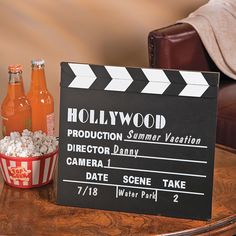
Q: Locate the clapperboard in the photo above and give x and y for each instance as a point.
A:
(137, 139)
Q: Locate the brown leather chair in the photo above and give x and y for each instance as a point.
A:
(179, 47)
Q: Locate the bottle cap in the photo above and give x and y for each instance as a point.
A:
(38, 62)
(15, 68)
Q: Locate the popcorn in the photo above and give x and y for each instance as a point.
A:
(28, 144)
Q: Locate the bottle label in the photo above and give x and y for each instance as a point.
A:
(51, 124)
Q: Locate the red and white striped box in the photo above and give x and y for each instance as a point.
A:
(28, 172)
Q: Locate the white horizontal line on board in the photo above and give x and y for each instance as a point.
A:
(136, 187)
(160, 158)
(155, 171)
(163, 143)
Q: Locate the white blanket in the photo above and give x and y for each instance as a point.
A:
(215, 23)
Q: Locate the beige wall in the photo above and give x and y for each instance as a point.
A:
(94, 31)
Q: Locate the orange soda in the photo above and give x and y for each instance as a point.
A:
(41, 100)
(15, 109)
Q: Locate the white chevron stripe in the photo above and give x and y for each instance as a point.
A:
(194, 78)
(196, 84)
(155, 88)
(155, 75)
(158, 81)
(193, 90)
(121, 78)
(117, 72)
(84, 76)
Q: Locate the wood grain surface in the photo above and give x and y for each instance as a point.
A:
(34, 212)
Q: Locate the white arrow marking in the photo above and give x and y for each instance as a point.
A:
(196, 84)
(154, 75)
(84, 76)
(158, 81)
(121, 78)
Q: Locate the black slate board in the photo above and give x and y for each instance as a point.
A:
(137, 140)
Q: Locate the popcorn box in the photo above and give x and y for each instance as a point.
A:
(28, 172)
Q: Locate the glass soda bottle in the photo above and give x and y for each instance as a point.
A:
(15, 109)
(41, 100)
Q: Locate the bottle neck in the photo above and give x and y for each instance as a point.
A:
(38, 80)
(15, 85)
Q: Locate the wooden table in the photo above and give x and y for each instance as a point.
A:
(34, 212)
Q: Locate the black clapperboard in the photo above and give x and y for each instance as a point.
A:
(137, 140)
